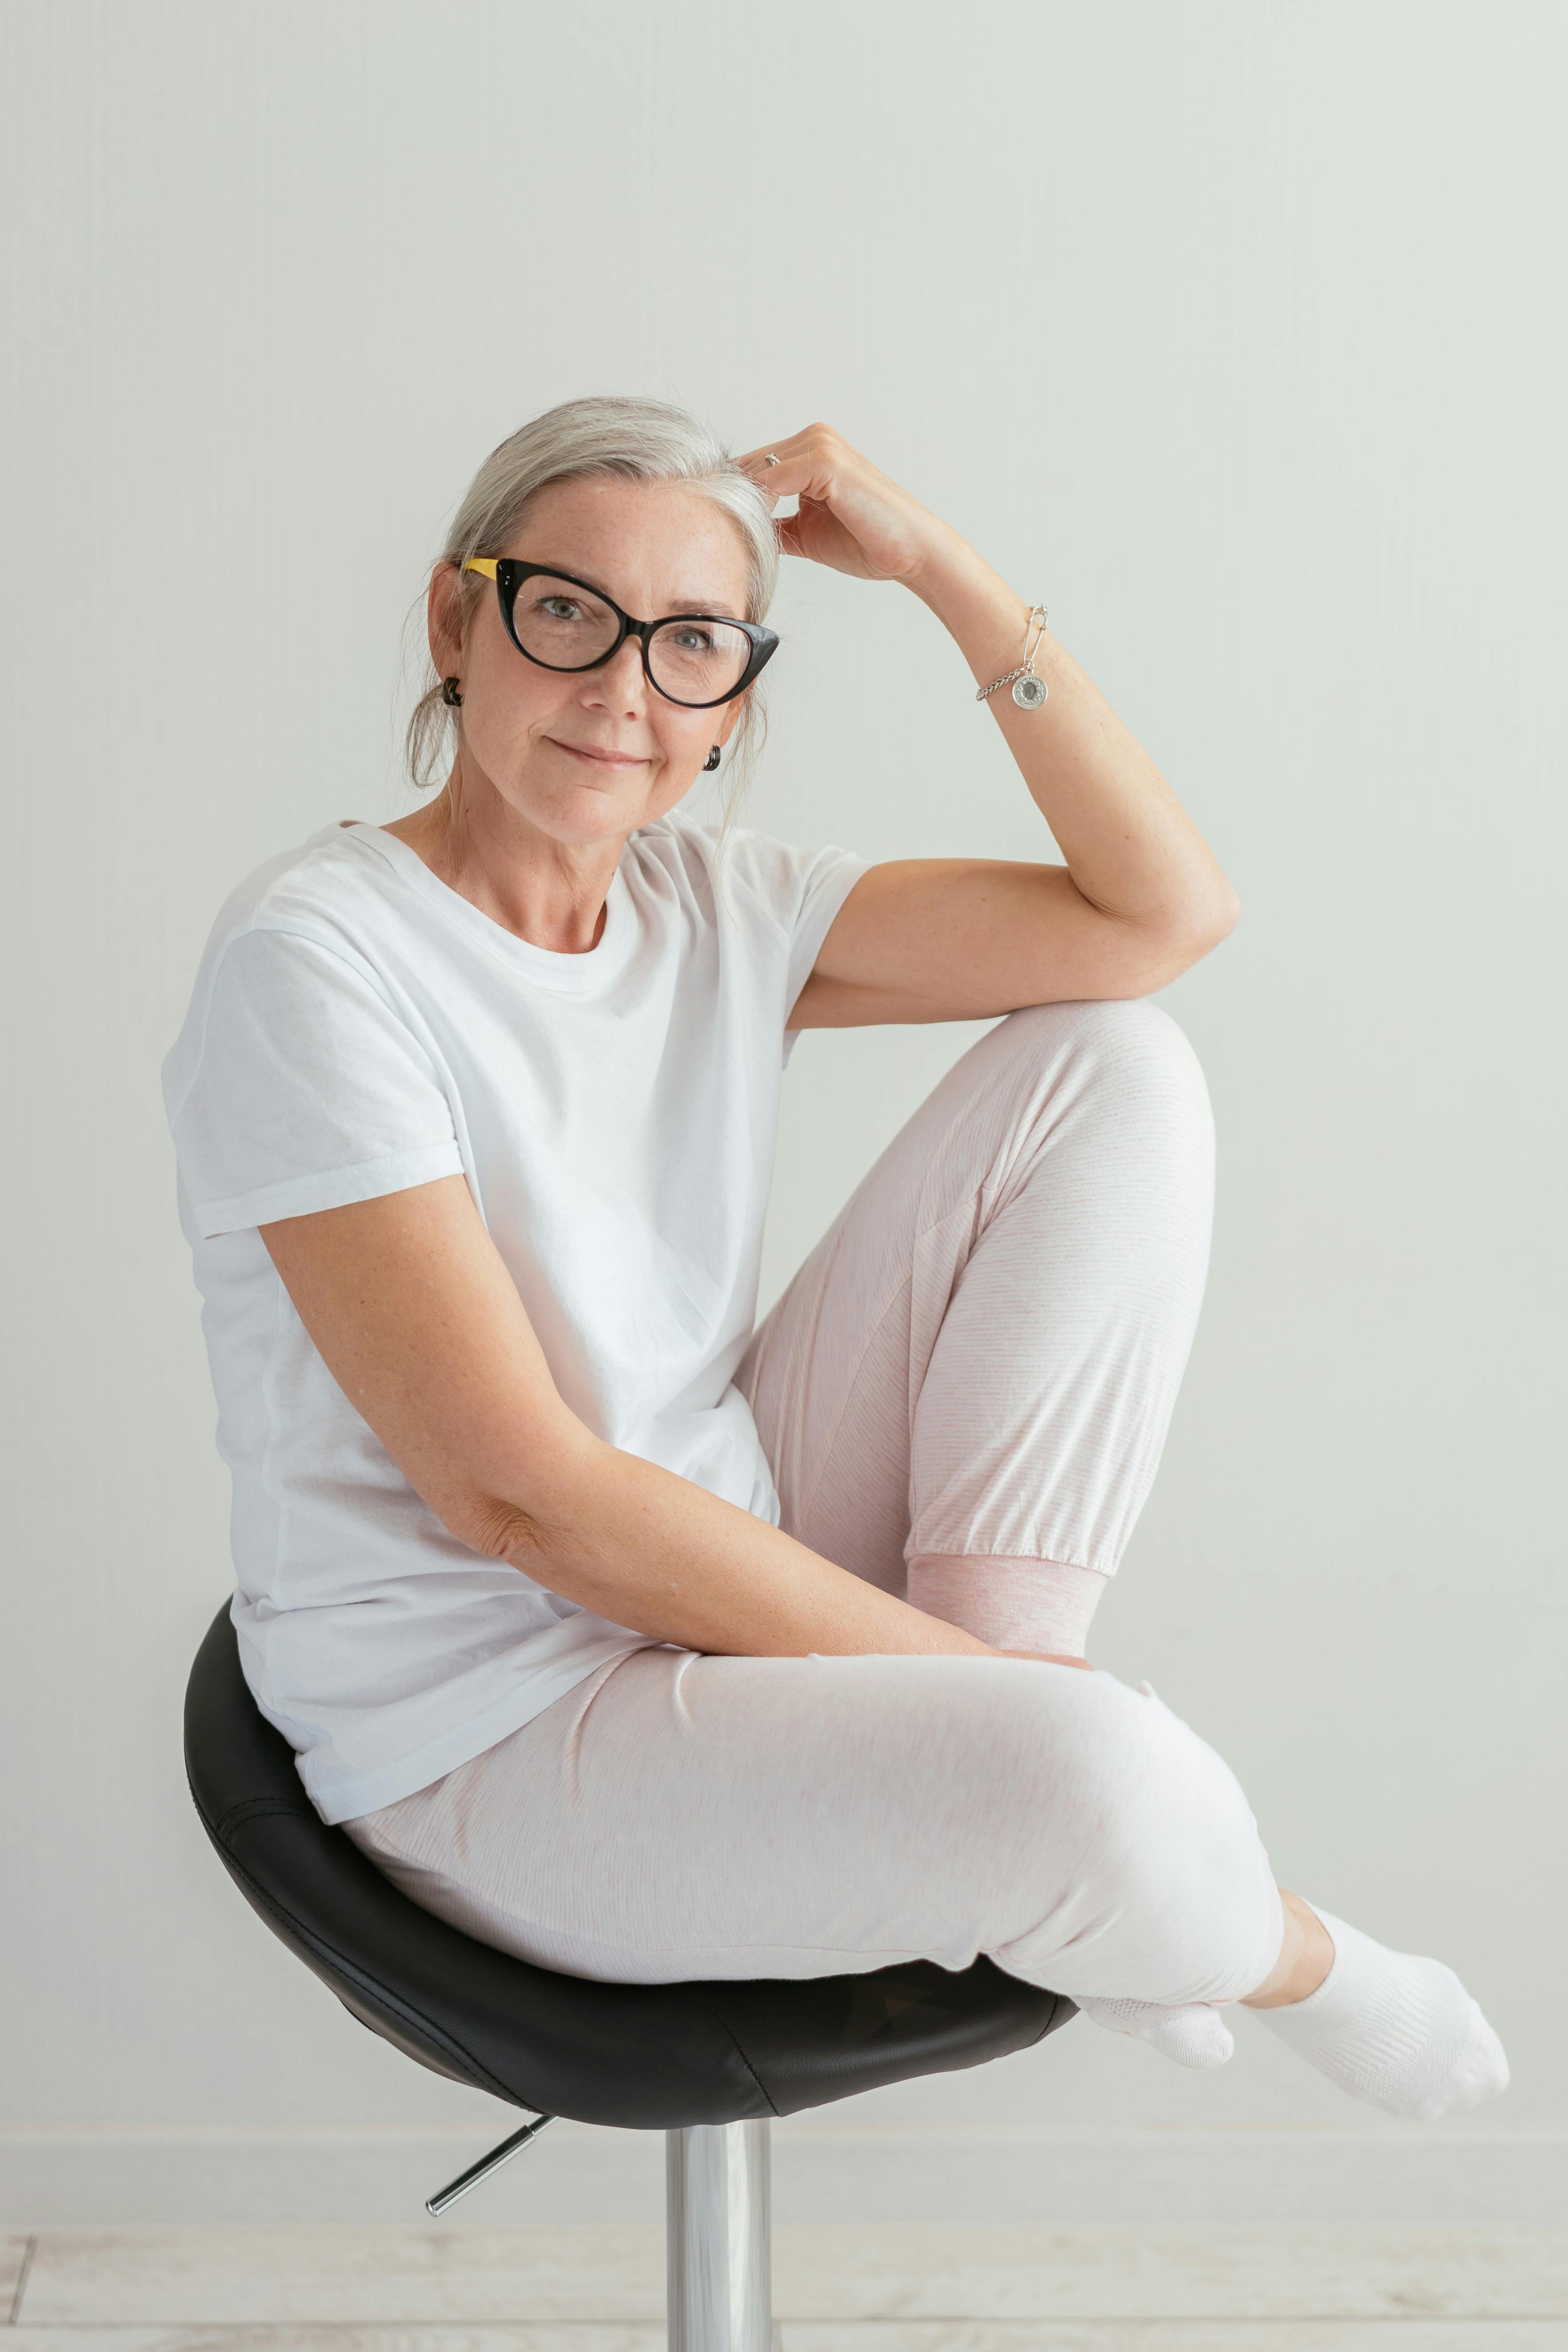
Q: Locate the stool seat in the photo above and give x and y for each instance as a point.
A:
(651, 2057)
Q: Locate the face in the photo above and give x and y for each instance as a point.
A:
(586, 757)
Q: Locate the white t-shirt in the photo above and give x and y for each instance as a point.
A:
(356, 1028)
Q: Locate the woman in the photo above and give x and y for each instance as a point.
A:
(627, 1638)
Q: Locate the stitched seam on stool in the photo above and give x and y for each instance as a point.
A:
(403, 2010)
(400, 2009)
(251, 1808)
(735, 2045)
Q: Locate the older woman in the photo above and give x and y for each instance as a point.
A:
(628, 1638)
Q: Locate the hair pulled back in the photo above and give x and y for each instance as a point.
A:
(627, 439)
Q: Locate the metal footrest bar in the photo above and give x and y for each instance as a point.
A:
(485, 2166)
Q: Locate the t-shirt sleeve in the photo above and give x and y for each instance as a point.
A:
(824, 878)
(306, 1091)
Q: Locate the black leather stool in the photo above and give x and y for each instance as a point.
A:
(709, 2064)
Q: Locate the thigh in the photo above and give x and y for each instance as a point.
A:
(683, 1816)
(987, 1344)
(834, 1372)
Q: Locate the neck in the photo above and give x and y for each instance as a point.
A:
(549, 892)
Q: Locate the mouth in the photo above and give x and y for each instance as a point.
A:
(599, 759)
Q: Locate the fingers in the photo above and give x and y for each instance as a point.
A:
(755, 461)
(755, 464)
(805, 467)
(850, 516)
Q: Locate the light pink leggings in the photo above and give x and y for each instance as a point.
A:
(973, 1375)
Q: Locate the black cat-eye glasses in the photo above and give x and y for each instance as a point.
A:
(698, 659)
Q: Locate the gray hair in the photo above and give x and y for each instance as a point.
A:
(631, 440)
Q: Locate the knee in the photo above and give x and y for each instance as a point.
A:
(1128, 1048)
(1172, 1898)
(1115, 1079)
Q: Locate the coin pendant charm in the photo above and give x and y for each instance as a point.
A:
(1030, 691)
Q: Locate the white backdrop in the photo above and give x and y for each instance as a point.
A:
(1231, 331)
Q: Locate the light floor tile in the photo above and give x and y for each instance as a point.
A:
(371, 2276)
(424, 2278)
(844, 2336)
(1175, 2336)
(1371, 2272)
(568, 2336)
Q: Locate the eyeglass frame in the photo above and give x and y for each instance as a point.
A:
(508, 575)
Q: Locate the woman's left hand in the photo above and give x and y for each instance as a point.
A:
(852, 517)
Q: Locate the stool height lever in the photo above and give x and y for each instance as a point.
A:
(485, 2166)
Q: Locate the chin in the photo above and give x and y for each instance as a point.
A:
(590, 813)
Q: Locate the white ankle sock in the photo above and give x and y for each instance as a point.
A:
(1394, 2029)
(1193, 2033)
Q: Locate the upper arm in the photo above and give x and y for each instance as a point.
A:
(964, 938)
(420, 1324)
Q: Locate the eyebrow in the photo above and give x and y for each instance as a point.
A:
(694, 605)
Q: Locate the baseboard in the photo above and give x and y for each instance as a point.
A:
(120, 2177)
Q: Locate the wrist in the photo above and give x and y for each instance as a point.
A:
(949, 573)
(985, 617)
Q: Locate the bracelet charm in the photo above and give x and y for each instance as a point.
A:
(1030, 689)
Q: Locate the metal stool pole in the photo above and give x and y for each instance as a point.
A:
(717, 2251)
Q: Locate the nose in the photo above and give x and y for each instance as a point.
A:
(622, 681)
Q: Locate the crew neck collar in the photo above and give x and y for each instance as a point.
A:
(566, 974)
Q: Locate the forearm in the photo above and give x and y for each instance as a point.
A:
(1131, 847)
(637, 1545)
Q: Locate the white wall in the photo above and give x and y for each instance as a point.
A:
(1232, 330)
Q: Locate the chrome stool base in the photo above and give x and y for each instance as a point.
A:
(718, 2243)
(718, 2221)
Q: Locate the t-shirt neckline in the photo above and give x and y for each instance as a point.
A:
(566, 974)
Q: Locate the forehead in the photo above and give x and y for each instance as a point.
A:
(654, 546)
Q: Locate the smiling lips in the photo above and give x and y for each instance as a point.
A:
(600, 759)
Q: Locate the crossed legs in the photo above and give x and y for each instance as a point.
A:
(965, 1391)
(964, 1394)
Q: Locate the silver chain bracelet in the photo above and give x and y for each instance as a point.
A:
(1030, 689)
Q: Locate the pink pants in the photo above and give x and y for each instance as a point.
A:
(963, 1395)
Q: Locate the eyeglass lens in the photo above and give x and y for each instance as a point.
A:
(567, 627)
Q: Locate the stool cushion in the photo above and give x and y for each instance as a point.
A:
(647, 2056)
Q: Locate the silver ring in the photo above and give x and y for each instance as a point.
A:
(771, 460)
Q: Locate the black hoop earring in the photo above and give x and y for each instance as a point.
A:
(711, 762)
(451, 693)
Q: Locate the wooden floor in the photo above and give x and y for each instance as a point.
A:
(1373, 2287)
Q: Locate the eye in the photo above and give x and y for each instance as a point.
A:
(560, 608)
(691, 637)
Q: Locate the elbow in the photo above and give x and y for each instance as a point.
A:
(1223, 916)
(1205, 923)
(1185, 940)
(541, 1524)
(501, 1531)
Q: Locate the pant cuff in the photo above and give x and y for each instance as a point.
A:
(1013, 1604)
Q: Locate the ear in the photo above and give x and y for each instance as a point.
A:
(729, 719)
(444, 617)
